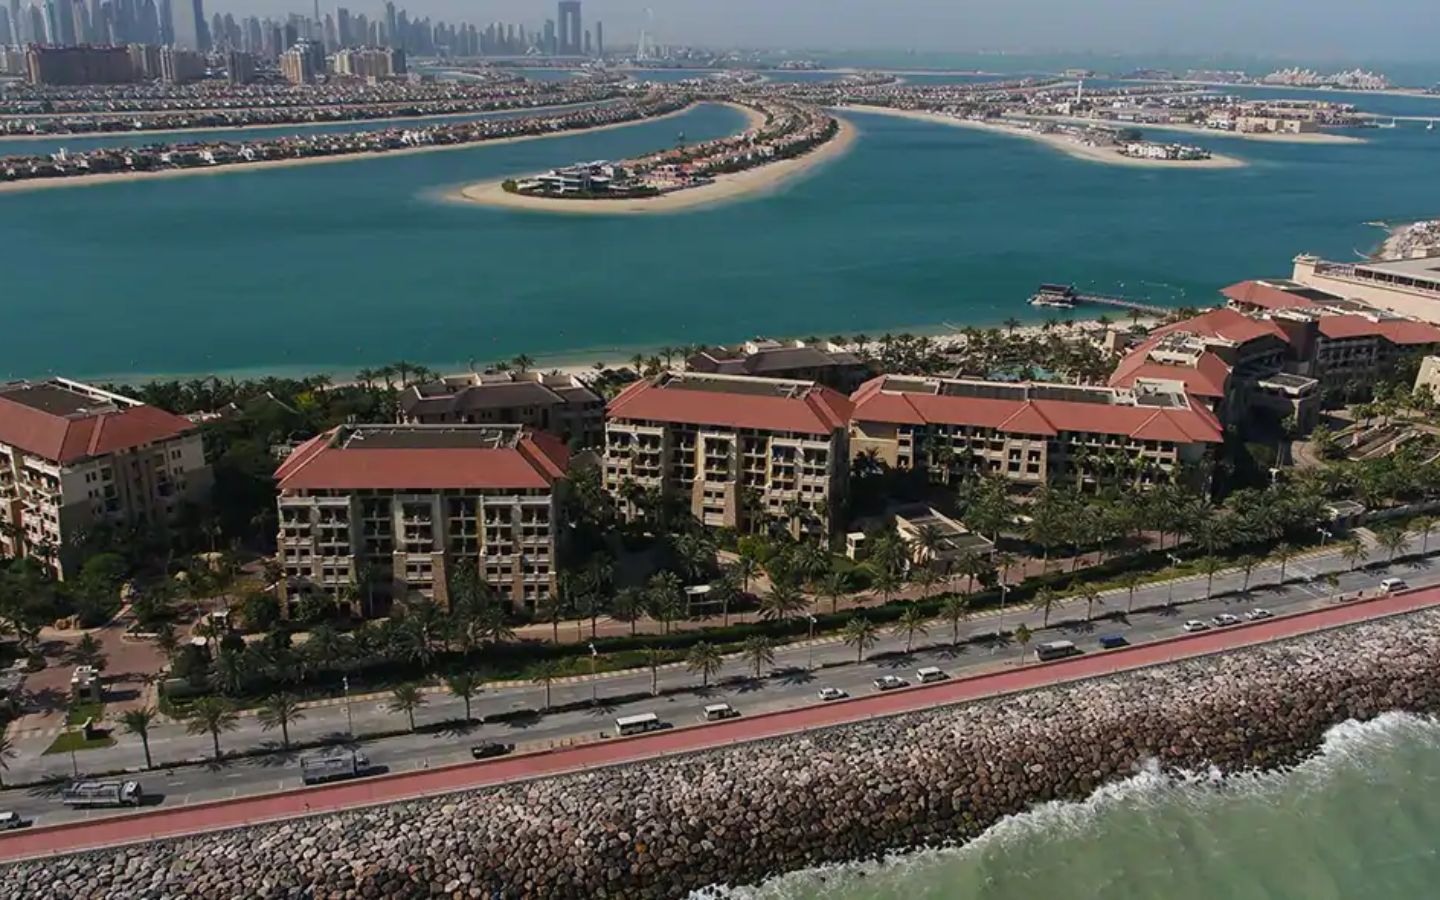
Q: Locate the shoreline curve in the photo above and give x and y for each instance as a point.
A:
(724, 189)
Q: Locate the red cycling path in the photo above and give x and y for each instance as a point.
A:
(242, 811)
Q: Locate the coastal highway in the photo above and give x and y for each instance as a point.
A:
(793, 688)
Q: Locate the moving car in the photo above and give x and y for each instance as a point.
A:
(889, 682)
(830, 693)
(1391, 585)
(1225, 619)
(1112, 641)
(930, 674)
(638, 724)
(717, 711)
(319, 768)
(1256, 615)
(491, 749)
(87, 794)
(9, 820)
(1195, 625)
(1056, 650)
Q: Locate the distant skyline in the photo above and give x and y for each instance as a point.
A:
(1282, 29)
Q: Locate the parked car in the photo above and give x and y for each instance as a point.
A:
(1225, 619)
(10, 820)
(830, 693)
(1257, 614)
(1195, 625)
(491, 749)
(930, 674)
(889, 682)
(1112, 641)
(717, 711)
(1391, 585)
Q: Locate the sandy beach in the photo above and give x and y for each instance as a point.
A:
(725, 188)
(1314, 137)
(1065, 145)
(281, 126)
(37, 184)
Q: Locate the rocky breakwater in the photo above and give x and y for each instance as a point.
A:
(742, 814)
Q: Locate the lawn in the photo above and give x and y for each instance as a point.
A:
(75, 740)
(79, 712)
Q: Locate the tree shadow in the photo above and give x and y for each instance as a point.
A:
(899, 660)
(48, 789)
(453, 728)
(1081, 627)
(602, 709)
(794, 676)
(46, 700)
(523, 720)
(274, 757)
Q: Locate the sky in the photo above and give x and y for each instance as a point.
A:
(1284, 29)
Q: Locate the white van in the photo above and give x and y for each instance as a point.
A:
(717, 711)
(1391, 585)
(638, 724)
(930, 674)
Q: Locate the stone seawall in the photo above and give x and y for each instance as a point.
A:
(743, 814)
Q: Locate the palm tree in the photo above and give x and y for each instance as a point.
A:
(280, 711)
(652, 659)
(1209, 565)
(1425, 524)
(212, 715)
(953, 609)
(406, 698)
(1044, 600)
(706, 660)
(138, 723)
(1247, 564)
(1355, 553)
(88, 652)
(464, 685)
(667, 598)
(833, 586)
(759, 651)
(1130, 581)
(1393, 540)
(1011, 324)
(1283, 553)
(545, 673)
(910, 623)
(862, 635)
(782, 601)
(1022, 636)
(7, 753)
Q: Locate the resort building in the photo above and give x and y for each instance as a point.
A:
(1408, 287)
(563, 405)
(74, 457)
(741, 451)
(822, 362)
(1032, 433)
(374, 514)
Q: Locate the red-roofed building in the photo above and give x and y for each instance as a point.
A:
(370, 514)
(1032, 433)
(740, 450)
(1357, 349)
(1273, 295)
(74, 458)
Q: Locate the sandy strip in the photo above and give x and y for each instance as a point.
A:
(280, 126)
(36, 184)
(1314, 137)
(725, 188)
(1063, 144)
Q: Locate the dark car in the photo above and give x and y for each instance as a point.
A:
(491, 749)
(1112, 641)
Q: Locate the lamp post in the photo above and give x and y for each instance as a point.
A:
(594, 682)
(1170, 598)
(349, 719)
(810, 661)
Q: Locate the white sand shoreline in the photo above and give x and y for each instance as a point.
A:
(1065, 145)
(76, 181)
(482, 113)
(1312, 137)
(725, 188)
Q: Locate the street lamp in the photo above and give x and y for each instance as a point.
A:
(1324, 535)
(349, 719)
(1170, 598)
(594, 683)
(810, 662)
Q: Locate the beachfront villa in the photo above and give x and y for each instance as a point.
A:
(1165, 152)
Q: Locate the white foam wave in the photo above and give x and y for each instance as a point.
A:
(1350, 747)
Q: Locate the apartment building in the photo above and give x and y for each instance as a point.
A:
(74, 457)
(742, 451)
(560, 404)
(821, 362)
(1034, 434)
(375, 514)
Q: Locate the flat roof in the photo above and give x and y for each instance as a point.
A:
(56, 399)
(432, 437)
(1421, 267)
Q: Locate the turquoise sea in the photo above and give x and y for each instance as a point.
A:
(1357, 821)
(342, 266)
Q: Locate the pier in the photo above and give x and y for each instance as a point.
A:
(1067, 297)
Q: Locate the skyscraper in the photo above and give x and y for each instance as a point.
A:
(571, 32)
(6, 38)
(600, 39)
(18, 25)
(187, 24)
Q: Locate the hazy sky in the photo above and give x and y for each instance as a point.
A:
(1326, 29)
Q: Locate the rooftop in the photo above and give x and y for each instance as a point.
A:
(494, 391)
(425, 458)
(734, 401)
(66, 421)
(1424, 267)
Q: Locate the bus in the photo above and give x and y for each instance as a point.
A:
(638, 724)
(1056, 650)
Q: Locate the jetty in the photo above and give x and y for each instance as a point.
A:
(1065, 296)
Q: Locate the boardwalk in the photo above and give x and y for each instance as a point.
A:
(159, 823)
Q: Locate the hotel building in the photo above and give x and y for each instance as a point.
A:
(374, 514)
(1035, 434)
(822, 362)
(739, 450)
(1408, 287)
(74, 457)
(561, 404)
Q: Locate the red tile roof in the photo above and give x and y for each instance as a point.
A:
(1266, 296)
(536, 461)
(1207, 378)
(1397, 331)
(65, 440)
(1226, 324)
(818, 410)
(1035, 417)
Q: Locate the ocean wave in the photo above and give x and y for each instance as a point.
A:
(1353, 748)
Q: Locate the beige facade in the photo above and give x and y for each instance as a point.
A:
(74, 458)
(1403, 287)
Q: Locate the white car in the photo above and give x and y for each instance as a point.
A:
(1256, 615)
(9, 820)
(830, 693)
(889, 682)
(1225, 619)
(1391, 585)
(1195, 625)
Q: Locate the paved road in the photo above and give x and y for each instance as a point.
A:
(188, 820)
